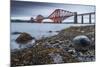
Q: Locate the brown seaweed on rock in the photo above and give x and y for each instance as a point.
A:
(24, 38)
(38, 56)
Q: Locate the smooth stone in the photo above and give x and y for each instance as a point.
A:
(81, 43)
(81, 40)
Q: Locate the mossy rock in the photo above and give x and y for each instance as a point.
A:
(38, 55)
(24, 38)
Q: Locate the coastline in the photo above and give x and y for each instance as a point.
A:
(59, 46)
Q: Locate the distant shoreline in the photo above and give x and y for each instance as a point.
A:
(48, 22)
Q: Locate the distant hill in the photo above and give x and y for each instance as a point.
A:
(18, 20)
(28, 21)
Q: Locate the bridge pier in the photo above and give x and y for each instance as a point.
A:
(90, 18)
(82, 19)
(39, 19)
(31, 19)
(75, 17)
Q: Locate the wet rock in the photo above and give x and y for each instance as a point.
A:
(55, 41)
(82, 31)
(71, 51)
(81, 42)
(57, 45)
(14, 33)
(50, 31)
(24, 38)
(57, 31)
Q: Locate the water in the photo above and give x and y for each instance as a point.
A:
(37, 30)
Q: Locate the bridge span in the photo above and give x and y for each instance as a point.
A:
(59, 15)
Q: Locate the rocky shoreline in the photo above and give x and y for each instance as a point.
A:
(57, 49)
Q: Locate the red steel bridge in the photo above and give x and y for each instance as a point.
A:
(59, 15)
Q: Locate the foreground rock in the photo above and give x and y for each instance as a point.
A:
(41, 55)
(24, 38)
(58, 49)
(81, 42)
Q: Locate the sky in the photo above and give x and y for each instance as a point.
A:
(25, 10)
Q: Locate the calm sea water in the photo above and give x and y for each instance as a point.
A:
(37, 30)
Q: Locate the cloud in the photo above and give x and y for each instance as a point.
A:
(26, 9)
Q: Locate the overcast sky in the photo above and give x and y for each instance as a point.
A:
(22, 9)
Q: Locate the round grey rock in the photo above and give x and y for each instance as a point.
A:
(81, 42)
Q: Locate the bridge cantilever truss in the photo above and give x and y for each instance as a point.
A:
(59, 15)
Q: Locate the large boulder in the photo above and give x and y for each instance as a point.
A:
(81, 42)
(24, 38)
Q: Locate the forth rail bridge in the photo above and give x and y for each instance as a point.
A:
(59, 15)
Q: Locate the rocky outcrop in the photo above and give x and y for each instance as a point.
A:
(58, 49)
(40, 55)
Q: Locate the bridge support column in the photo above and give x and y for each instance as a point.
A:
(90, 18)
(75, 17)
(82, 19)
